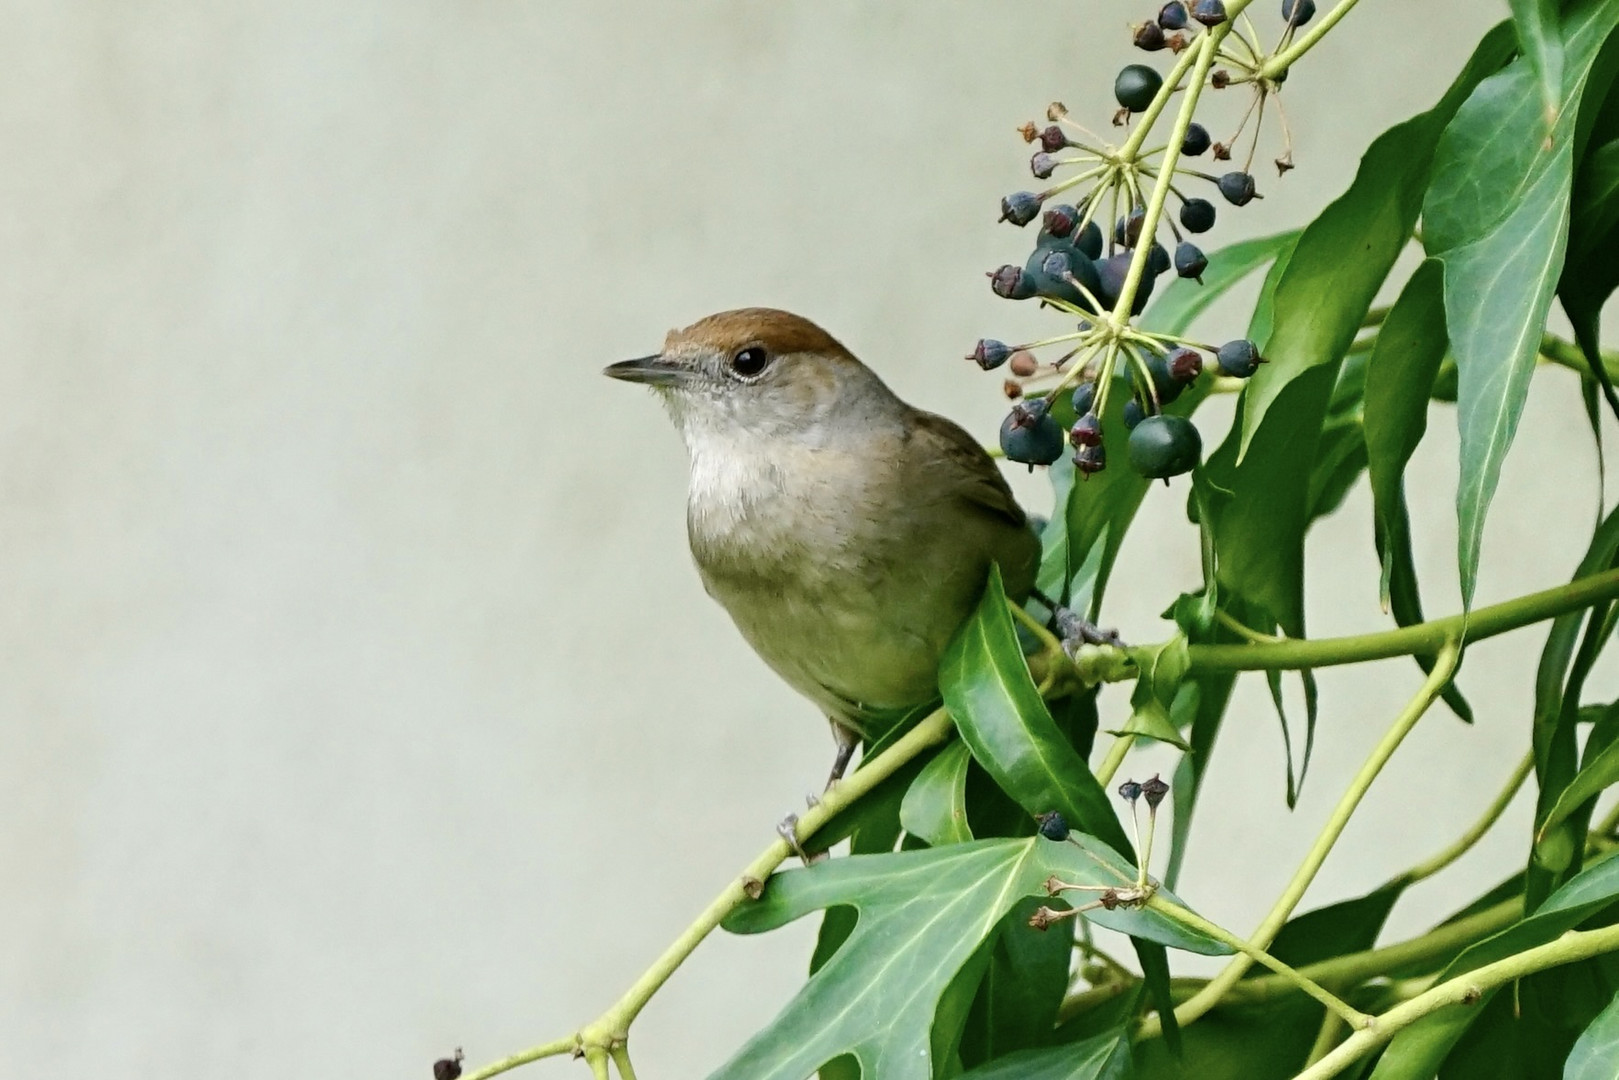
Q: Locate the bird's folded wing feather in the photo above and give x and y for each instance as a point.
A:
(971, 471)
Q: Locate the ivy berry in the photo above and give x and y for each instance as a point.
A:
(1237, 187)
(1239, 358)
(1197, 215)
(1164, 446)
(1298, 12)
(1030, 435)
(1196, 141)
(1136, 86)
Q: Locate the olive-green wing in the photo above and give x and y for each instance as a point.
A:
(971, 472)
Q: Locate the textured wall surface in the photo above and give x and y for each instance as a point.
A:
(357, 696)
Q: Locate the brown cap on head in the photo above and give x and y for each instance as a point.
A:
(781, 332)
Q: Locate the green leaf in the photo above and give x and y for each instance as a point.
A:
(1590, 274)
(1417, 1052)
(1347, 251)
(1538, 39)
(1018, 997)
(1598, 772)
(1104, 1057)
(1497, 214)
(1199, 707)
(923, 915)
(1596, 1054)
(1399, 378)
(1002, 719)
(1100, 508)
(935, 806)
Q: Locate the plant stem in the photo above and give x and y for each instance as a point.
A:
(1351, 1015)
(1492, 813)
(1466, 989)
(1210, 995)
(1420, 639)
(1279, 63)
(1115, 758)
(611, 1029)
(621, 1060)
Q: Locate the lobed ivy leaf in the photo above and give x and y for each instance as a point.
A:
(1345, 254)
(1005, 723)
(1596, 1053)
(1497, 215)
(922, 916)
(1102, 1057)
(1399, 379)
(1417, 1052)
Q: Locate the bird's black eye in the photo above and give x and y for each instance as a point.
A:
(750, 361)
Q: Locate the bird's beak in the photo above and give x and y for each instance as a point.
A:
(648, 370)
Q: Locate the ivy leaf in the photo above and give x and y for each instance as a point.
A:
(1002, 719)
(1345, 254)
(1417, 1052)
(922, 915)
(1597, 1049)
(1399, 379)
(1538, 39)
(1104, 1057)
(935, 806)
(1497, 214)
(1101, 507)
(1598, 772)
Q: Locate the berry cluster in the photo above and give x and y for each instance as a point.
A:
(1106, 277)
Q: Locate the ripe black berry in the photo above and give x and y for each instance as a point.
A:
(1298, 12)
(1089, 240)
(1011, 282)
(1030, 435)
(1237, 187)
(1164, 446)
(1090, 460)
(448, 1068)
(1133, 414)
(1020, 207)
(1129, 791)
(1157, 259)
(1084, 398)
(1172, 16)
(1087, 431)
(1049, 268)
(1052, 826)
(1164, 384)
(1149, 37)
(1197, 140)
(1209, 12)
(990, 354)
(1197, 215)
(1190, 262)
(1238, 358)
(1127, 230)
(1185, 365)
(1110, 275)
(1136, 86)
(1154, 790)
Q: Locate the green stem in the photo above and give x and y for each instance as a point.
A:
(1115, 758)
(1278, 64)
(1569, 355)
(1466, 989)
(1420, 639)
(1210, 995)
(1492, 813)
(1351, 1015)
(621, 1060)
(611, 1029)
(1352, 969)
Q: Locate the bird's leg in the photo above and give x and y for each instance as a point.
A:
(1076, 630)
(788, 830)
(847, 739)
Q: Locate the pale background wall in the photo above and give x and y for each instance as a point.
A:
(357, 698)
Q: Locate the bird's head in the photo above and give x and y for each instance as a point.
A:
(757, 370)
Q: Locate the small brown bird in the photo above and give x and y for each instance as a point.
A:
(848, 534)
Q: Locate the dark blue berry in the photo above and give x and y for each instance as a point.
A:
(1161, 447)
(1090, 460)
(1209, 12)
(1087, 431)
(1172, 16)
(1238, 358)
(1298, 12)
(1149, 37)
(1129, 791)
(1197, 140)
(1155, 789)
(1089, 240)
(1011, 282)
(1197, 215)
(1157, 259)
(1133, 413)
(1237, 187)
(1020, 207)
(1052, 826)
(1058, 221)
(1136, 86)
(1030, 435)
(1042, 165)
(1084, 398)
(1127, 230)
(990, 353)
(1049, 268)
(1111, 273)
(1190, 262)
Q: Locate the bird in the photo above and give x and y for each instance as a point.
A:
(848, 533)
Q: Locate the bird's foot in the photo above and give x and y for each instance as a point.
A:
(788, 831)
(1076, 630)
